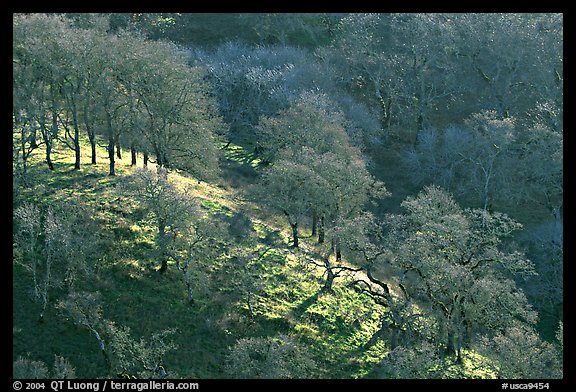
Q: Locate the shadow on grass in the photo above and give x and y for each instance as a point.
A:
(301, 309)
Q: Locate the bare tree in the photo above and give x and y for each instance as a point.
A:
(169, 207)
(454, 258)
(85, 310)
(269, 357)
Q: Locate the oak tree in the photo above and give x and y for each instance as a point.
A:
(269, 357)
(457, 261)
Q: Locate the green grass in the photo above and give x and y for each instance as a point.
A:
(237, 153)
(216, 208)
(335, 326)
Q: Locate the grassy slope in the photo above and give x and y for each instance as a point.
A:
(335, 326)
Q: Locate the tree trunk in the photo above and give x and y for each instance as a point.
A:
(90, 132)
(159, 158)
(295, 234)
(47, 141)
(451, 342)
(118, 149)
(133, 155)
(458, 355)
(162, 246)
(145, 158)
(76, 138)
(53, 135)
(48, 155)
(24, 155)
(33, 143)
(190, 296)
(76, 152)
(102, 346)
(338, 251)
(467, 338)
(329, 280)
(162, 159)
(26, 151)
(111, 157)
(93, 148)
(330, 275)
(111, 140)
(394, 336)
(321, 230)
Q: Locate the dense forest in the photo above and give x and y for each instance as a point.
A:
(287, 195)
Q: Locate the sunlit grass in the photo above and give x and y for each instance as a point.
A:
(473, 366)
(216, 208)
(237, 153)
(336, 326)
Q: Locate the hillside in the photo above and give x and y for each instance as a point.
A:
(335, 196)
(335, 326)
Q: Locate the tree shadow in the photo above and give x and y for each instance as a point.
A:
(301, 309)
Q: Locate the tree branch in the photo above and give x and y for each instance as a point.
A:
(378, 298)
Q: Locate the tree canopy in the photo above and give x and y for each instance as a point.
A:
(264, 195)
